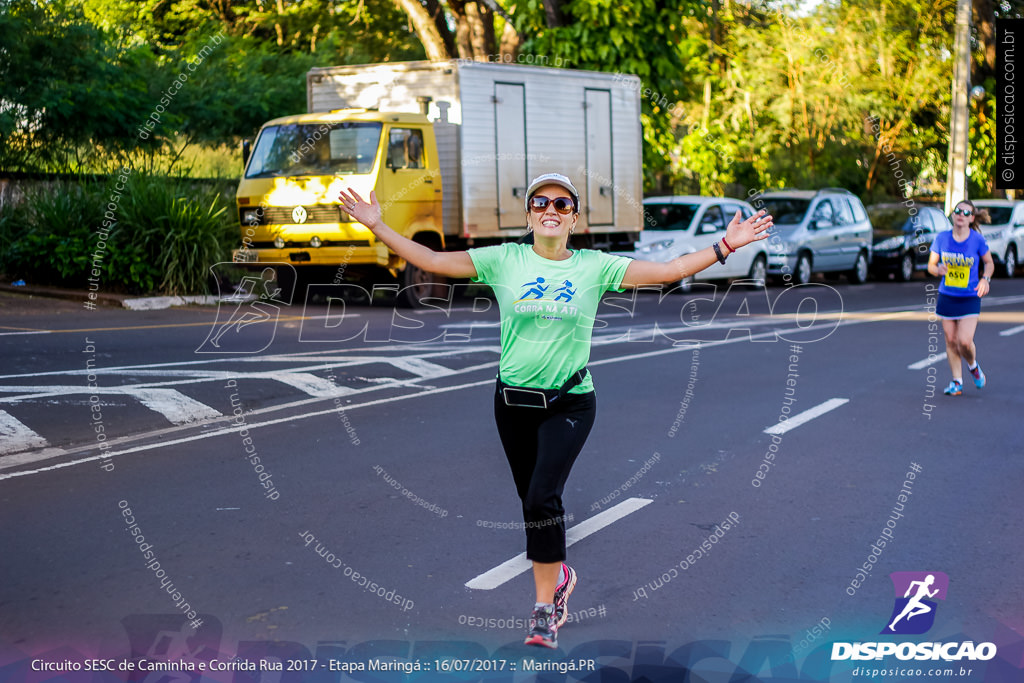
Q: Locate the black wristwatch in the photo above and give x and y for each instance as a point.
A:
(718, 252)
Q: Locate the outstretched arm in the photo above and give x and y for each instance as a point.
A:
(455, 264)
(738, 233)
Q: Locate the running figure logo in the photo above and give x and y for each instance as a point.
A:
(914, 612)
(535, 291)
(257, 299)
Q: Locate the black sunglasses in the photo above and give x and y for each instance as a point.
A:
(962, 212)
(539, 204)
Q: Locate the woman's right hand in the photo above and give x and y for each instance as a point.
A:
(941, 269)
(367, 213)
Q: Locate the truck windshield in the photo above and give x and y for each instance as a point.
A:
(314, 149)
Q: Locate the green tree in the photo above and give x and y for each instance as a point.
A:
(67, 93)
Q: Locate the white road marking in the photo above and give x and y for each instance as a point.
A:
(930, 360)
(507, 571)
(419, 366)
(806, 416)
(354, 357)
(1012, 331)
(307, 383)
(174, 405)
(15, 436)
(351, 407)
(171, 403)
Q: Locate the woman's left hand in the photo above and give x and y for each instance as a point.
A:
(740, 232)
(983, 287)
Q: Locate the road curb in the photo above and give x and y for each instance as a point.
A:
(146, 303)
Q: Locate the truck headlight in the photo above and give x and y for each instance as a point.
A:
(252, 216)
(279, 242)
(315, 242)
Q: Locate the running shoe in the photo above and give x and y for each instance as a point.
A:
(562, 593)
(543, 630)
(979, 380)
(955, 388)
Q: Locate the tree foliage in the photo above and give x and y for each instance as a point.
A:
(735, 95)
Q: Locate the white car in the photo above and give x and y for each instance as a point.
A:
(1005, 234)
(674, 226)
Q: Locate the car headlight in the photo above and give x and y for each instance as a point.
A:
(655, 246)
(279, 242)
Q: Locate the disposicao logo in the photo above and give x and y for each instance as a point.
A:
(913, 613)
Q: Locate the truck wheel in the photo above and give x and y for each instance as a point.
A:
(802, 272)
(417, 284)
(859, 274)
(906, 270)
(289, 280)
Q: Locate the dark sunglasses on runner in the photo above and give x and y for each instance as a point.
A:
(962, 212)
(539, 204)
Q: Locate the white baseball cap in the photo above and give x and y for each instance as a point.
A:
(553, 179)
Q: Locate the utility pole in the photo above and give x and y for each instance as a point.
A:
(956, 178)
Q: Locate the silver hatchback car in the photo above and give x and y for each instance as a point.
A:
(827, 231)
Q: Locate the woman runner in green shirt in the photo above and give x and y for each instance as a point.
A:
(544, 404)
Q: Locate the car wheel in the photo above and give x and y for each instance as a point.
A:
(906, 270)
(758, 271)
(684, 286)
(1010, 262)
(802, 272)
(859, 274)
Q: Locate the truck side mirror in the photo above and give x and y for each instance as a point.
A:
(246, 152)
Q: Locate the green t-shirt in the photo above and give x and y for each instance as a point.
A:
(547, 310)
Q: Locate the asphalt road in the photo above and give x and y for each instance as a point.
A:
(381, 491)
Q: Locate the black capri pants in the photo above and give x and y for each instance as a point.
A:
(541, 445)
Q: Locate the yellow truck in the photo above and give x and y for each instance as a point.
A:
(449, 148)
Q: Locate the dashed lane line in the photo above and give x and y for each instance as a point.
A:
(806, 416)
(506, 571)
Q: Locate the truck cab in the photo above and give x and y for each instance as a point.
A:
(288, 204)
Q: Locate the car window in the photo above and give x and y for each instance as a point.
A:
(786, 211)
(931, 220)
(730, 211)
(669, 216)
(859, 214)
(999, 215)
(823, 212)
(712, 215)
(844, 215)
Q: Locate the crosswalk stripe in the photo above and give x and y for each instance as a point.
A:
(15, 436)
(174, 405)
